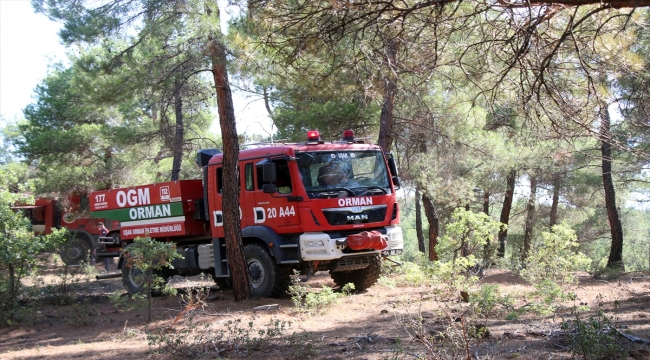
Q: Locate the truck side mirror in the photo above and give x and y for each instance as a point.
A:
(305, 160)
(269, 173)
(392, 166)
(269, 188)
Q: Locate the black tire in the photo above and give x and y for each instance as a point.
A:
(75, 250)
(268, 279)
(363, 278)
(132, 277)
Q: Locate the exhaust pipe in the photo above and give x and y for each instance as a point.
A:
(108, 276)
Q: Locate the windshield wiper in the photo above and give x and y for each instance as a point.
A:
(339, 188)
(375, 187)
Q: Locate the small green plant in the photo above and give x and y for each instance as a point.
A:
(319, 300)
(348, 289)
(307, 301)
(550, 295)
(594, 337)
(68, 284)
(485, 300)
(191, 341)
(302, 345)
(150, 257)
(194, 340)
(82, 313)
(407, 274)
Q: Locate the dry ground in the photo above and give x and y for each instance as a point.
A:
(361, 326)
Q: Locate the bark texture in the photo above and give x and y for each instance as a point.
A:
(530, 218)
(486, 211)
(505, 213)
(418, 221)
(615, 260)
(242, 287)
(556, 200)
(390, 91)
(432, 217)
(180, 131)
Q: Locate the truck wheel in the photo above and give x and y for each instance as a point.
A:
(267, 277)
(75, 251)
(362, 278)
(132, 278)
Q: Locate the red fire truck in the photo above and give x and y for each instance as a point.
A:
(52, 213)
(312, 206)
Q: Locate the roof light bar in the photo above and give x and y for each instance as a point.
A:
(348, 135)
(313, 135)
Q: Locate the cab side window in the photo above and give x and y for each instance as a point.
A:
(220, 180)
(283, 178)
(250, 182)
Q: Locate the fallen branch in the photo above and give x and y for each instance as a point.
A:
(266, 307)
(355, 340)
(634, 339)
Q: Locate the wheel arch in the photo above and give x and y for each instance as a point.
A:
(269, 238)
(120, 262)
(82, 235)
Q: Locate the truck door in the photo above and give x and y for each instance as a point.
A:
(215, 184)
(247, 194)
(276, 210)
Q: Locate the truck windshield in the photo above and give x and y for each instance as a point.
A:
(355, 172)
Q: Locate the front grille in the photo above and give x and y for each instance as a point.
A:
(346, 217)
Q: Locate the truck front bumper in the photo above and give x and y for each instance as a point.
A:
(319, 246)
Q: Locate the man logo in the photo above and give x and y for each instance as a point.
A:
(357, 217)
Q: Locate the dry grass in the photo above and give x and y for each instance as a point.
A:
(361, 326)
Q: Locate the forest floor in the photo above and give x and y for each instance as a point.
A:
(388, 321)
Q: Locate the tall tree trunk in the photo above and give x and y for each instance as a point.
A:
(231, 225)
(390, 91)
(267, 102)
(13, 288)
(505, 213)
(418, 220)
(432, 218)
(179, 135)
(486, 211)
(556, 200)
(530, 218)
(615, 260)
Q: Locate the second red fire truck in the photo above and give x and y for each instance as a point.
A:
(312, 206)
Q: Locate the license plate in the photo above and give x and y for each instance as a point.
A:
(392, 252)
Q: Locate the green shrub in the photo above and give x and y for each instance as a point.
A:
(19, 248)
(198, 340)
(469, 233)
(593, 338)
(307, 301)
(556, 258)
(150, 257)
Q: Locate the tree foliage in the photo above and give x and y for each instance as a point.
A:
(190, 41)
(20, 249)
